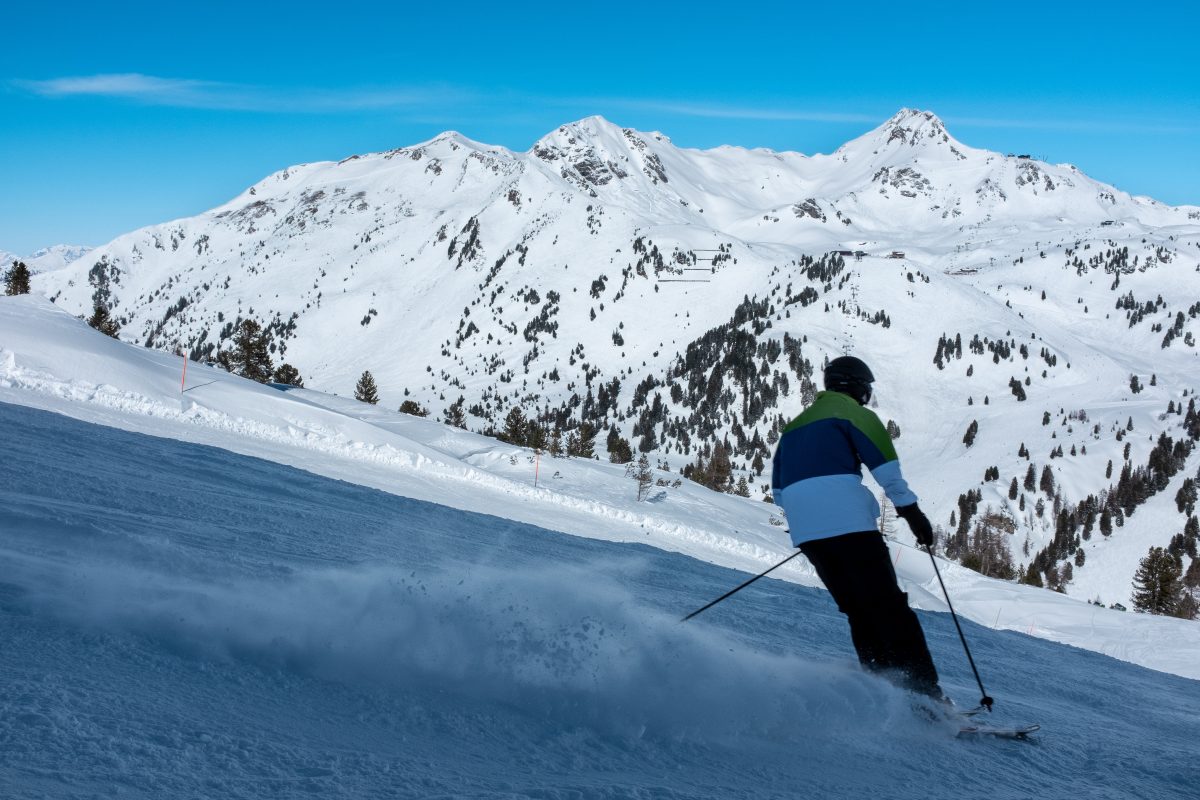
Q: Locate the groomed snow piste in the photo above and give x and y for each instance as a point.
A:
(184, 620)
(50, 360)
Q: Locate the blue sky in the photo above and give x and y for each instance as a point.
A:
(115, 116)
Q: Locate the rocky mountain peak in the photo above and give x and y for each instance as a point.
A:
(593, 152)
(908, 134)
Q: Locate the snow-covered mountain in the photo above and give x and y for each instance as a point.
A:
(685, 297)
(48, 258)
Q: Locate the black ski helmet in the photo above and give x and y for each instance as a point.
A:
(849, 375)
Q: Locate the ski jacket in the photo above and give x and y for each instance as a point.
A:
(816, 477)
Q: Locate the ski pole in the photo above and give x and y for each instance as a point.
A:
(984, 701)
(739, 588)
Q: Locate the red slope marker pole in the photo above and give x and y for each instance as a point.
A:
(183, 380)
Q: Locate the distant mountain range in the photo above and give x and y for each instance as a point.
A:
(47, 259)
(681, 298)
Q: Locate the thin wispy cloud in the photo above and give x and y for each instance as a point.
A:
(223, 96)
(792, 114)
(228, 96)
(118, 85)
(722, 111)
(785, 114)
(147, 89)
(1083, 125)
(217, 95)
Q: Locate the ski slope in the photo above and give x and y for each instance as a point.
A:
(238, 591)
(185, 621)
(50, 360)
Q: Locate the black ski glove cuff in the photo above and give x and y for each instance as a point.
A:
(918, 523)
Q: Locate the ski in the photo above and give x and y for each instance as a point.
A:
(1014, 732)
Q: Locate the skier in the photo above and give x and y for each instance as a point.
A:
(817, 480)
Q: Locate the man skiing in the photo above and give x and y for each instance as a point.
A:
(817, 480)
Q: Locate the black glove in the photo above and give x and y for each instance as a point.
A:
(918, 523)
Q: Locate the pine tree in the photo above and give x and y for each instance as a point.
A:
(621, 452)
(644, 477)
(455, 416)
(16, 280)
(554, 444)
(288, 375)
(619, 449)
(1030, 476)
(365, 391)
(969, 436)
(535, 435)
(743, 487)
(1157, 584)
(1013, 489)
(1189, 606)
(249, 356)
(1191, 578)
(720, 470)
(101, 321)
(1046, 484)
(412, 407)
(985, 548)
(1185, 498)
(514, 427)
(587, 441)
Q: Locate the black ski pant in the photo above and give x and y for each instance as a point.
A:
(857, 570)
